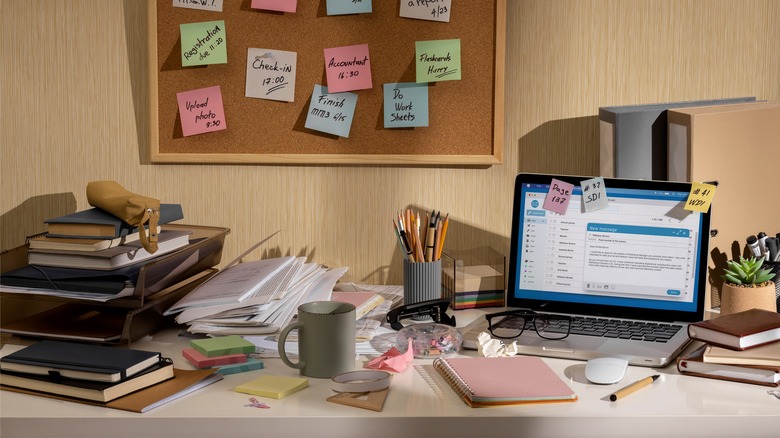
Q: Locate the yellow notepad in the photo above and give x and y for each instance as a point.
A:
(273, 386)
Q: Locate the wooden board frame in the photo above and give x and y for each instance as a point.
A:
(377, 145)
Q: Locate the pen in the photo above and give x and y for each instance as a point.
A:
(633, 387)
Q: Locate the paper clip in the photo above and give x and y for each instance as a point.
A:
(254, 403)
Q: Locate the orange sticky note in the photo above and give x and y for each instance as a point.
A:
(700, 197)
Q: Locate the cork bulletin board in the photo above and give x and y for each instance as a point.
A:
(465, 116)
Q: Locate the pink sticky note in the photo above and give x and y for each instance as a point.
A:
(201, 111)
(557, 198)
(348, 68)
(275, 5)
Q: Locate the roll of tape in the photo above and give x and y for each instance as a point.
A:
(361, 381)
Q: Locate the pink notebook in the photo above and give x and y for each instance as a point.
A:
(492, 381)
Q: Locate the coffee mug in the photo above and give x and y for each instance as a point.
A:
(326, 339)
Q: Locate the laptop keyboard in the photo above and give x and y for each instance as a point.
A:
(622, 329)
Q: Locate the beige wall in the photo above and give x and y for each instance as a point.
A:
(73, 110)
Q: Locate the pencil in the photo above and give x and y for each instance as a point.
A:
(633, 387)
(443, 234)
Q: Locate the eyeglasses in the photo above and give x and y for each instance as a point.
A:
(510, 324)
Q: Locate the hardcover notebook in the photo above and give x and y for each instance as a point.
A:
(79, 361)
(95, 223)
(694, 365)
(494, 381)
(739, 331)
(641, 262)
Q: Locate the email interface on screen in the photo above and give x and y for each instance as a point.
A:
(632, 253)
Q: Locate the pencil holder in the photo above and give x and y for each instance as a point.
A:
(422, 282)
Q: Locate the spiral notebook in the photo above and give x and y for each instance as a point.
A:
(495, 381)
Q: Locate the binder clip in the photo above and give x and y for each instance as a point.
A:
(436, 309)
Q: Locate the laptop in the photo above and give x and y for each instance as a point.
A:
(635, 269)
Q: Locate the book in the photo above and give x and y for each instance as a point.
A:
(273, 386)
(88, 389)
(199, 360)
(184, 382)
(738, 331)
(767, 355)
(633, 138)
(81, 244)
(222, 345)
(95, 223)
(694, 365)
(494, 381)
(364, 302)
(111, 258)
(72, 279)
(79, 361)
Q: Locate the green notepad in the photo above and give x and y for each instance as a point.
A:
(273, 386)
(222, 345)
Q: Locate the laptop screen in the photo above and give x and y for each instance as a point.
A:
(642, 256)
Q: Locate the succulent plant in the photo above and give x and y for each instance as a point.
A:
(747, 272)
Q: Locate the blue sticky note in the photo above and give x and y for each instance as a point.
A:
(250, 365)
(344, 7)
(406, 104)
(331, 113)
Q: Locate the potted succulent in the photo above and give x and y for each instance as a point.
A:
(747, 286)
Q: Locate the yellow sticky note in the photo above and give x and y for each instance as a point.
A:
(700, 197)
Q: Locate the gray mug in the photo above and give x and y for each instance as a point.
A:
(326, 339)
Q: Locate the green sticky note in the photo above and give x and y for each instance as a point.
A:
(203, 43)
(438, 60)
(222, 345)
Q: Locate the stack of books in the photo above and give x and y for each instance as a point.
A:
(83, 371)
(741, 347)
(90, 254)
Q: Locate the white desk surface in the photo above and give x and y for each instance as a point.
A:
(673, 406)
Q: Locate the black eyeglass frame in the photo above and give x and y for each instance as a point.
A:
(529, 316)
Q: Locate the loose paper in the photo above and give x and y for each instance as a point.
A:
(557, 198)
(406, 105)
(275, 5)
(432, 10)
(438, 60)
(203, 5)
(344, 7)
(270, 74)
(594, 194)
(489, 347)
(700, 197)
(201, 111)
(348, 68)
(203, 43)
(331, 113)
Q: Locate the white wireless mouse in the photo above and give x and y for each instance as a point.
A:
(605, 370)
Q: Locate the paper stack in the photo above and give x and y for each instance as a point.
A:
(258, 297)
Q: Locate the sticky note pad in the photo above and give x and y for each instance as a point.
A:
(200, 360)
(331, 112)
(700, 197)
(558, 196)
(270, 74)
(275, 5)
(273, 386)
(594, 194)
(438, 10)
(406, 105)
(438, 60)
(250, 365)
(201, 111)
(203, 43)
(223, 345)
(348, 68)
(343, 7)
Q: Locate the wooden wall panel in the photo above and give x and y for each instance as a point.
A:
(73, 94)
